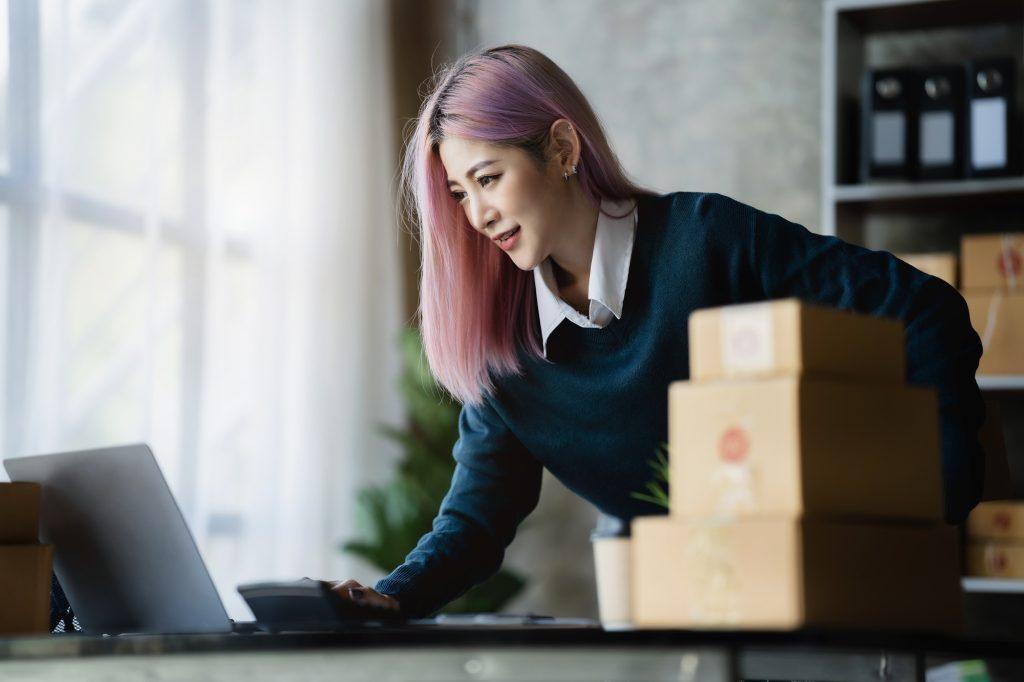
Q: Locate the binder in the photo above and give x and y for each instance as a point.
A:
(940, 148)
(991, 112)
(889, 124)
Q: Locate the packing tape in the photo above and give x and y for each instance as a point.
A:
(1010, 261)
(735, 488)
(709, 553)
(991, 319)
(995, 560)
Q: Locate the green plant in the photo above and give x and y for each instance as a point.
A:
(393, 517)
(657, 489)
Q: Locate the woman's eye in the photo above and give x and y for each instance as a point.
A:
(484, 180)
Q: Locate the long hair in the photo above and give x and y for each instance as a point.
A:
(477, 310)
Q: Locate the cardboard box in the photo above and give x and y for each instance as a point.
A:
(995, 559)
(784, 337)
(998, 318)
(998, 483)
(941, 265)
(19, 513)
(25, 574)
(778, 573)
(794, 446)
(992, 261)
(1002, 520)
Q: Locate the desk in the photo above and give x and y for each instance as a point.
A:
(529, 654)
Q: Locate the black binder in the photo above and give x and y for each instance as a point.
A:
(940, 148)
(888, 124)
(991, 114)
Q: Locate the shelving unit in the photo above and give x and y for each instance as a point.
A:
(907, 216)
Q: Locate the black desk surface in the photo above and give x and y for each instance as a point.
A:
(542, 637)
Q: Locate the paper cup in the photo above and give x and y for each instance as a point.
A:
(611, 569)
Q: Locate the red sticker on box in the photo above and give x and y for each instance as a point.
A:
(996, 560)
(1002, 521)
(1009, 263)
(734, 445)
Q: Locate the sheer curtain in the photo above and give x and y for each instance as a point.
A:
(201, 253)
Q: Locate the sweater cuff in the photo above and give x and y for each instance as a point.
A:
(402, 584)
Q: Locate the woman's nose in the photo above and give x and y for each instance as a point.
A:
(483, 217)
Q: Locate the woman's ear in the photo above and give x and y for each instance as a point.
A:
(564, 145)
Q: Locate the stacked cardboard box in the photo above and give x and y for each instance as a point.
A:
(25, 565)
(806, 485)
(998, 483)
(942, 265)
(993, 286)
(995, 540)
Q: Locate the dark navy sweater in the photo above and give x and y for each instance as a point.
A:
(596, 414)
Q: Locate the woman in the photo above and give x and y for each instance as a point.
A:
(554, 301)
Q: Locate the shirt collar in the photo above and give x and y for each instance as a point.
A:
(609, 270)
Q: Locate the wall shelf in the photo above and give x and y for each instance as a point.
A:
(921, 192)
(874, 16)
(991, 585)
(996, 382)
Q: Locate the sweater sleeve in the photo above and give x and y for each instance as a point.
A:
(496, 484)
(768, 257)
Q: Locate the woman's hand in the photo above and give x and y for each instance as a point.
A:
(364, 596)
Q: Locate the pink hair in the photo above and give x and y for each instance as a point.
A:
(477, 309)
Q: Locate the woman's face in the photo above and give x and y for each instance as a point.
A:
(507, 192)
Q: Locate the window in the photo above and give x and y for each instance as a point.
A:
(5, 160)
(111, 249)
(180, 255)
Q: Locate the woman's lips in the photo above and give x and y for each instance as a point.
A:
(506, 232)
(509, 242)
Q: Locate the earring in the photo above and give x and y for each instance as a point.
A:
(565, 174)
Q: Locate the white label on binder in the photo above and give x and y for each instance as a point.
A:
(988, 133)
(747, 339)
(888, 136)
(937, 138)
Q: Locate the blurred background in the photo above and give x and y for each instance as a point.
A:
(201, 247)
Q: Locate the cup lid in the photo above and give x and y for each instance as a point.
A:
(610, 527)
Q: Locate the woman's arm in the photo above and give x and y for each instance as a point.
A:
(769, 257)
(495, 486)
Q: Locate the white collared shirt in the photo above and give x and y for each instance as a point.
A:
(609, 269)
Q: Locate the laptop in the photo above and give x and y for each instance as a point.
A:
(128, 563)
(123, 552)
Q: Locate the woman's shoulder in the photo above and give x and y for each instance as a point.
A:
(693, 204)
(688, 216)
